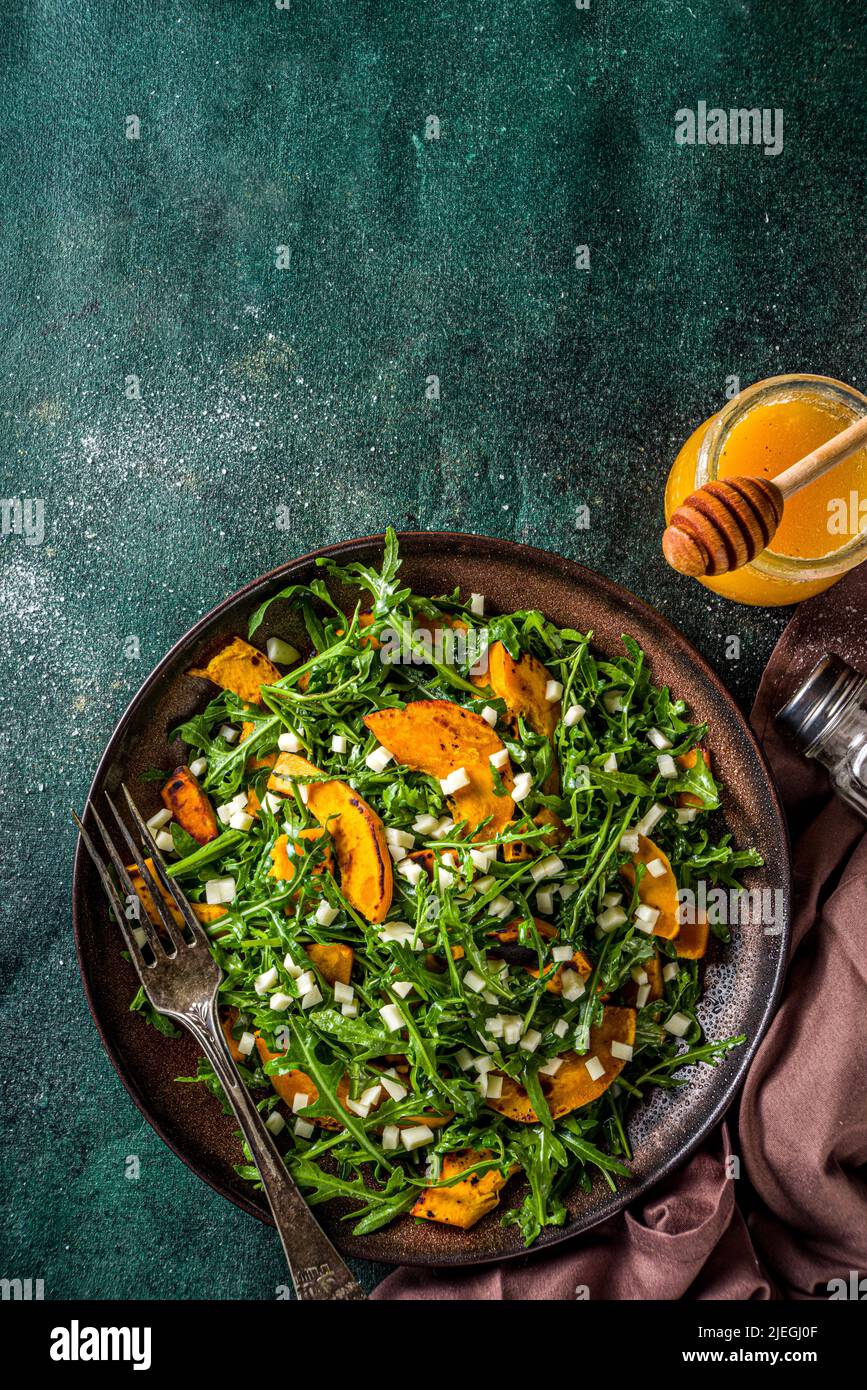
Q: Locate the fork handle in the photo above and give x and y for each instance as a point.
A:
(318, 1272)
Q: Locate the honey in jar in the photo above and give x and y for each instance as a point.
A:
(761, 432)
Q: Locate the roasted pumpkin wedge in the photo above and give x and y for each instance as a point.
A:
(579, 963)
(282, 864)
(510, 936)
(438, 737)
(511, 932)
(333, 960)
(356, 831)
(479, 802)
(659, 893)
(287, 770)
(254, 763)
(434, 736)
(359, 844)
(289, 1084)
(425, 858)
(652, 968)
(228, 1019)
(466, 1201)
(190, 806)
(205, 912)
(692, 939)
(239, 667)
(521, 685)
(518, 850)
(574, 1085)
(688, 760)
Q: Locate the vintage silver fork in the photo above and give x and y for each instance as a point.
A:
(181, 980)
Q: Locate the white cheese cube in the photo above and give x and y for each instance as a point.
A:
(280, 652)
(219, 890)
(415, 1136)
(678, 1025)
(378, 759)
(390, 1138)
(523, 786)
(547, 868)
(658, 740)
(455, 781)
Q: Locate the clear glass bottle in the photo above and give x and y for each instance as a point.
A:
(827, 719)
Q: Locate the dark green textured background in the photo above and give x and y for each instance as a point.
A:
(305, 387)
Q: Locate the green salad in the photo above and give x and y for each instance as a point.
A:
(439, 856)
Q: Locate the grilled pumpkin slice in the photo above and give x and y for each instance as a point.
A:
(573, 1085)
(466, 1201)
(237, 666)
(659, 893)
(356, 831)
(438, 737)
(190, 806)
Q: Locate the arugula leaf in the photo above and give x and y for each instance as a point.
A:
(541, 1154)
(317, 590)
(140, 1004)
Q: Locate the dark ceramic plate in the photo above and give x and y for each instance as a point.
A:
(741, 981)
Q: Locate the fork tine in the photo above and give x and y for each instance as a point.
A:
(179, 898)
(170, 926)
(117, 906)
(123, 874)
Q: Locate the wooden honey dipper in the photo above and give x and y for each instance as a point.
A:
(727, 522)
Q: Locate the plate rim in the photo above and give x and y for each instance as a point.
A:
(341, 551)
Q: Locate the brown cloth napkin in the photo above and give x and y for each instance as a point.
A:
(801, 1218)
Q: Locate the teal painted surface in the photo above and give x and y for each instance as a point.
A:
(305, 387)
